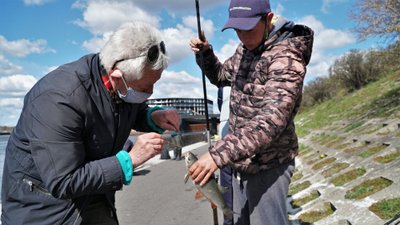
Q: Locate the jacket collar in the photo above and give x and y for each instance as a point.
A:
(92, 82)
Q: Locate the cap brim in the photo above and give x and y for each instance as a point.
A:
(241, 23)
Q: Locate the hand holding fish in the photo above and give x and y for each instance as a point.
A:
(203, 169)
(210, 189)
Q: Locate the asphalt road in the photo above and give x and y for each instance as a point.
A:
(158, 196)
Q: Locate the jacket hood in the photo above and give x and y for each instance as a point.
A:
(280, 22)
(296, 34)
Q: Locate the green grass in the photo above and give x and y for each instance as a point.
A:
(301, 201)
(354, 150)
(334, 142)
(309, 156)
(354, 126)
(323, 163)
(318, 137)
(384, 102)
(293, 189)
(334, 169)
(303, 149)
(326, 139)
(342, 146)
(368, 129)
(297, 176)
(388, 157)
(372, 151)
(385, 105)
(368, 188)
(343, 179)
(313, 216)
(387, 208)
(314, 159)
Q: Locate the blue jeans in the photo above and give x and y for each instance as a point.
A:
(261, 198)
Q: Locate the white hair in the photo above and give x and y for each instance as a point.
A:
(129, 45)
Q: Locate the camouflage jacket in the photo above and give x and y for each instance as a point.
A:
(266, 91)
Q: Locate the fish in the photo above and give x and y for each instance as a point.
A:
(212, 191)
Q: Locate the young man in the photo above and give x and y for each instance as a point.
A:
(266, 74)
(64, 160)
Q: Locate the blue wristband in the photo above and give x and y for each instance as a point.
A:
(126, 165)
(150, 121)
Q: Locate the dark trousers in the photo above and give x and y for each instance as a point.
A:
(261, 198)
(165, 153)
(177, 153)
(226, 181)
(98, 212)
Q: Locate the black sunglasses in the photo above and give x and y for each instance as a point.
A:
(152, 54)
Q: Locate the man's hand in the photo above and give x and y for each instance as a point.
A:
(197, 45)
(166, 119)
(203, 169)
(146, 146)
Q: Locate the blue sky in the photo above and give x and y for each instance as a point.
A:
(36, 36)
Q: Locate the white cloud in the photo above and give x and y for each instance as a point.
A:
(330, 38)
(279, 9)
(173, 36)
(11, 102)
(172, 6)
(326, 4)
(94, 44)
(100, 17)
(178, 5)
(181, 84)
(8, 68)
(23, 47)
(206, 25)
(177, 42)
(10, 110)
(325, 39)
(36, 2)
(13, 84)
(12, 91)
(319, 65)
(177, 38)
(16, 85)
(227, 50)
(173, 84)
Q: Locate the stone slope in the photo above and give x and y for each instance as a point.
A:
(371, 148)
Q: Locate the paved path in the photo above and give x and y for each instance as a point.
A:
(157, 195)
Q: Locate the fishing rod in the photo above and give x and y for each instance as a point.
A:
(201, 37)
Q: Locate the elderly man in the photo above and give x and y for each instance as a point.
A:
(266, 74)
(64, 160)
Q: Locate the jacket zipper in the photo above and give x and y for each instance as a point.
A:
(33, 186)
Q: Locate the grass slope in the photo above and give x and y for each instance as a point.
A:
(377, 100)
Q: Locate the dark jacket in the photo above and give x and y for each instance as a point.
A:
(266, 94)
(62, 151)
